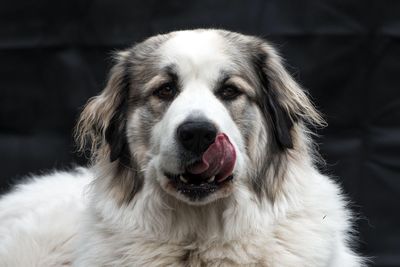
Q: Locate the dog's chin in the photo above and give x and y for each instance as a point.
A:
(185, 187)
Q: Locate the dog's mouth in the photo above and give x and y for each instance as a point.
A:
(208, 175)
(197, 187)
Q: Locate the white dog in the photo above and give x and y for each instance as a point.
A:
(201, 157)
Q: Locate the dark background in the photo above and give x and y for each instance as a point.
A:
(54, 55)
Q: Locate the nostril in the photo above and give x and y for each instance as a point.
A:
(210, 136)
(186, 135)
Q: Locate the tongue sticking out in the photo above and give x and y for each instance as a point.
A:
(218, 160)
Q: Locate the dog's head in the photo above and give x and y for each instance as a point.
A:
(198, 114)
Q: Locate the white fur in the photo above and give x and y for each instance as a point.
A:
(63, 219)
(39, 220)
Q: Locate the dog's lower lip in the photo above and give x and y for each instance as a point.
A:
(182, 180)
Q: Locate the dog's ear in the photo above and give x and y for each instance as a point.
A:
(282, 101)
(102, 128)
(102, 123)
(115, 134)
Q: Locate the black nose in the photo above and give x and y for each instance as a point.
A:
(196, 136)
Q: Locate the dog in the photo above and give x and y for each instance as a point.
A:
(201, 155)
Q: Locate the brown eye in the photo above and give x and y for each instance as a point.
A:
(229, 92)
(166, 92)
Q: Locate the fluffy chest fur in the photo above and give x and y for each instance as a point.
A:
(238, 231)
(145, 252)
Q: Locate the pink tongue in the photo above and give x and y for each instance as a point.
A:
(219, 159)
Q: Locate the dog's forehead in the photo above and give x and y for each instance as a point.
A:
(197, 53)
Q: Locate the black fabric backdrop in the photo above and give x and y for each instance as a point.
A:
(54, 55)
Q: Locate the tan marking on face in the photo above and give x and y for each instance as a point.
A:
(155, 82)
(242, 84)
(157, 106)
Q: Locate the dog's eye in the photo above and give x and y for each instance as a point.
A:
(229, 92)
(166, 91)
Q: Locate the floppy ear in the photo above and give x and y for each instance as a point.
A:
(287, 111)
(283, 101)
(102, 123)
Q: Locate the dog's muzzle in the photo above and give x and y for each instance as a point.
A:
(213, 169)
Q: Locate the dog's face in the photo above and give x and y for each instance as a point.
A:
(197, 146)
(196, 113)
